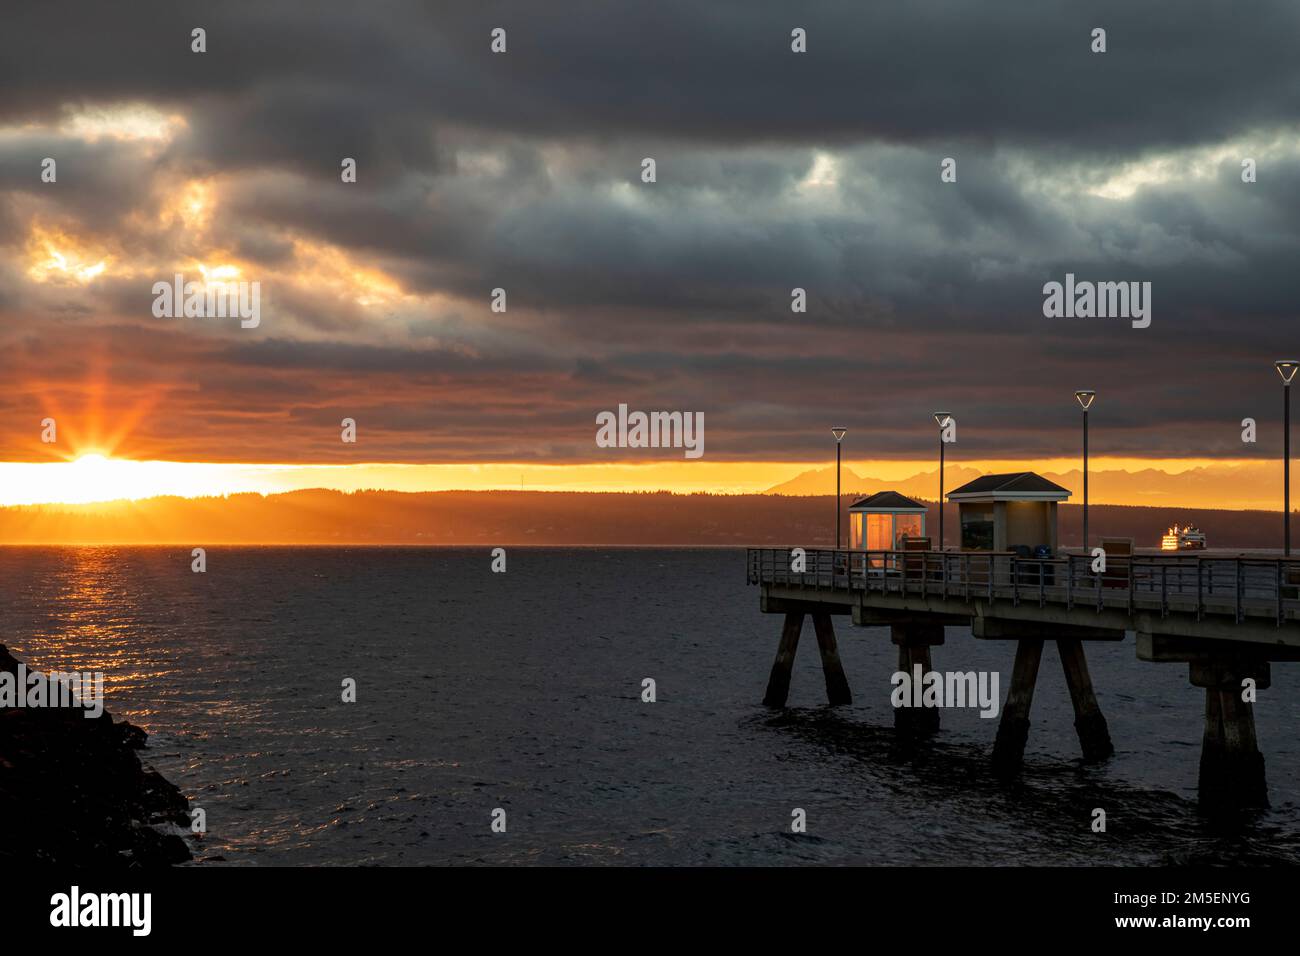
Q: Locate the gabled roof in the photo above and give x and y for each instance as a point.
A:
(886, 501)
(1018, 486)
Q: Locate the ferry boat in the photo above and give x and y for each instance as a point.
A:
(1183, 539)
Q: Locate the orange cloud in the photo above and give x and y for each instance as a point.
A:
(55, 256)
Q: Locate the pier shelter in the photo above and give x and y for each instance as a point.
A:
(1008, 512)
(883, 521)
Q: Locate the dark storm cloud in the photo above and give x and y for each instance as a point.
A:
(775, 170)
(1010, 72)
(99, 183)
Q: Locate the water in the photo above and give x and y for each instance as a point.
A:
(523, 691)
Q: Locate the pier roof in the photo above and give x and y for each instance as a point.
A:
(1017, 486)
(887, 501)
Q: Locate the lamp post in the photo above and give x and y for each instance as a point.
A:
(1085, 398)
(942, 419)
(1287, 369)
(838, 431)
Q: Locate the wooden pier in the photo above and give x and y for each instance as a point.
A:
(1226, 618)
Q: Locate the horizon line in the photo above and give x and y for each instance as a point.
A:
(96, 477)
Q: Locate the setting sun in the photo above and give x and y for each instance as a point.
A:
(96, 477)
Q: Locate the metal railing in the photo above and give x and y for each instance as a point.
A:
(1239, 587)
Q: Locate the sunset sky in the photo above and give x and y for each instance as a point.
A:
(522, 171)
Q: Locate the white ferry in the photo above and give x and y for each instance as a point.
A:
(1183, 539)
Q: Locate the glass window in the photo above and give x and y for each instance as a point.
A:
(879, 532)
(907, 526)
(977, 528)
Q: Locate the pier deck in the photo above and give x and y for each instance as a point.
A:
(1226, 617)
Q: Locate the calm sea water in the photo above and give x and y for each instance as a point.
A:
(523, 691)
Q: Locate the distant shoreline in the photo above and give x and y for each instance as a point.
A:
(1217, 553)
(547, 519)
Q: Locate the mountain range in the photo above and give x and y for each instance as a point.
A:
(1241, 486)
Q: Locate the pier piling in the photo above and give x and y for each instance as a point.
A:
(1232, 768)
(1231, 773)
(1013, 728)
(914, 640)
(837, 685)
(1089, 721)
(778, 684)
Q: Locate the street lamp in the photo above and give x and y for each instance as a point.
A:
(1085, 398)
(942, 419)
(1287, 369)
(838, 431)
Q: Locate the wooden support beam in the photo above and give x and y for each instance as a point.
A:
(1004, 629)
(1089, 721)
(778, 684)
(770, 604)
(916, 634)
(1013, 728)
(868, 616)
(837, 685)
(914, 641)
(1227, 673)
(1165, 648)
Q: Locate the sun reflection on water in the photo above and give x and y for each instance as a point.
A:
(89, 619)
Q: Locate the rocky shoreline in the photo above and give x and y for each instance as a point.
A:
(73, 791)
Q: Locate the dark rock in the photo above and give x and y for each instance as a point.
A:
(73, 792)
(131, 735)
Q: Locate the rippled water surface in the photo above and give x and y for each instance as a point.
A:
(523, 691)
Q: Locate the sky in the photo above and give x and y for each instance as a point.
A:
(522, 171)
